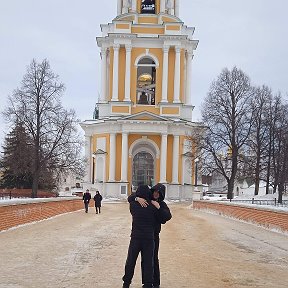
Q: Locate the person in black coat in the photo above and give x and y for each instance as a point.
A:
(158, 196)
(144, 221)
(86, 200)
(97, 199)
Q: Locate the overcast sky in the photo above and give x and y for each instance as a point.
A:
(249, 34)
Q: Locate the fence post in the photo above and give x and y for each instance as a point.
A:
(10, 195)
(253, 200)
(275, 201)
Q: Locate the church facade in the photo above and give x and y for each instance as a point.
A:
(142, 131)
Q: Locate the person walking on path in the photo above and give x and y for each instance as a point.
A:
(142, 238)
(97, 199)
(86, 200)
(158, 196)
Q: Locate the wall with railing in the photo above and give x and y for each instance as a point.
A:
(23, 193)
(261, 216)
(267, 202)
(15, 214)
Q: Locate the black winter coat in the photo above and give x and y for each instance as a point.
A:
(164, 213)
(164, 216)
(144, 220)
(86, 197)
(97, 198)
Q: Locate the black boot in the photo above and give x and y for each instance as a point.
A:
(126, 285)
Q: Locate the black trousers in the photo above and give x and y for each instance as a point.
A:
(97, 209)
(146, 247)
(156, 275)
(86, 204)
(156, 280)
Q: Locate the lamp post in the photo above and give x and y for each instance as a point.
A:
(93, 167)
(196, 171)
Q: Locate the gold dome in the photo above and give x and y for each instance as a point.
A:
(145, 79)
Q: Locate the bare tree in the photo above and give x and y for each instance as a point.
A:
(195, 152)
(258, 140)
(270, 123)
(275, 142)
(284, 171)
(36, 104)
(280, 146)
(227, 114)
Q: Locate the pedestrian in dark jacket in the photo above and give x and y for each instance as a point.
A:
(158, 196)
(86, 200)
(97, 199)
(142, 238)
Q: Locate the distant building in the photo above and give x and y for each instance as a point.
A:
(70, 185)
(144, 115)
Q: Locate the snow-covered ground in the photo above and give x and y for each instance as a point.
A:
(267, 196)
(260, 201)
(263, 206)
(197, 250)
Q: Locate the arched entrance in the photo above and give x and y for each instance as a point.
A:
(143, 169)
(144, 154)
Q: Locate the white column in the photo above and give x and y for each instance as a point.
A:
(88, 157)
(162, 6)
(125, 7)
(177, 8)
(128, 73)
(116, 48)
(112, 162)
(171, 10)
(119, 7)
(163, 158)
(188, 78)
(124, 160)
(165, 73)
(175, 164)
(103, 74)
(177, 75)
(134, 5)
(108, 77)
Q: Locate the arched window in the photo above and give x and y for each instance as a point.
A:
(148, 7)
(100, 170)
(143, 169)
(146, 81)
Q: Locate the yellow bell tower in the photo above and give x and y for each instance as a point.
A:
(145, 106)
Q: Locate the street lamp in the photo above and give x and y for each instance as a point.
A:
(93, 167)
(196, 171)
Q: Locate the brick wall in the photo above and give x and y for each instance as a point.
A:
(18, 214)
(18, 193)
(260, 216)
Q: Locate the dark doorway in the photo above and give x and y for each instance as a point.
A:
(143, 169)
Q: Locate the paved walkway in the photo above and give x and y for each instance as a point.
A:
(87, 250)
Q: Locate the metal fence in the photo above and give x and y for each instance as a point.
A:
(270, 202)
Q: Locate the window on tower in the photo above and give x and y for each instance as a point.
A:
(148, 7)
(146, 81)
(143, 169)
